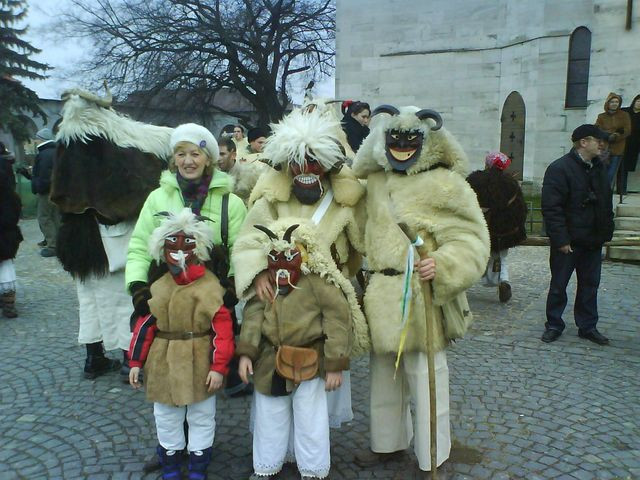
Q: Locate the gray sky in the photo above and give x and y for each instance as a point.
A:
(65, 55)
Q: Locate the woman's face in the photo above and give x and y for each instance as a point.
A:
(636, 105)
(190, 160)
(363, 117)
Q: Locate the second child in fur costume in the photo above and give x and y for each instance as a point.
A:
(414, 170)
(505, 211)
(313, 308)
(185, 344)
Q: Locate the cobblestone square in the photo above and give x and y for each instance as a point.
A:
(520, 408)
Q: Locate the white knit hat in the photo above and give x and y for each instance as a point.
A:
(198, 135)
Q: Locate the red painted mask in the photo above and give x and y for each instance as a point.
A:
(307, 181)
(284, 269)
(179, 251)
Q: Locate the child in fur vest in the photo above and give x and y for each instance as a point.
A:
(185, 344)
(313, 309)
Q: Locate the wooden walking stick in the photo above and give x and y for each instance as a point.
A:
(430, 317)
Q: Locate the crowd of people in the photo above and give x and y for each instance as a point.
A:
(275, 258)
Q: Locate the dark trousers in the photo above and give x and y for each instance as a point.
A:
(587, 263)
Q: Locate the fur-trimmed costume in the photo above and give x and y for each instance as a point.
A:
(339, 229)
(316, 313)
(433, 198)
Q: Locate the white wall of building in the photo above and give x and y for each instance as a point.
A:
(488, 49)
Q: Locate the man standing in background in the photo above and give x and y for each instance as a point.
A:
(48, 214)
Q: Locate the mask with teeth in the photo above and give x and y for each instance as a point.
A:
(403, 148)
(179, 252)
(284, 269)
(307, 181)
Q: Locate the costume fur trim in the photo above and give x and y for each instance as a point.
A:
(301, 135)
(82, 119)
(439, 147)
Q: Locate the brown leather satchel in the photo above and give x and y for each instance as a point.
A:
(296, 363)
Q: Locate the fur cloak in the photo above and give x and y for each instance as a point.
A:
(503, 204)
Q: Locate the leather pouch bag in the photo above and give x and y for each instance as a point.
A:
(296, 363)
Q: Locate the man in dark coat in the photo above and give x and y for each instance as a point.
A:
(578, 214)
(48, 214)
(632, 145)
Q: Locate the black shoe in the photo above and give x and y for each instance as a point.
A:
(550, 335)
(595, 336)
(504, 292)
(43, 243)
(48, 252)
(96, 365)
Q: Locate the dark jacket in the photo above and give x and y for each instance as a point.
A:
(577, 202)
(42, 168)
(503, 205)
(356, 133)
(632, 147)
(10, 206)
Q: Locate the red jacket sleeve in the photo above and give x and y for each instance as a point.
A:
(222, 343)
(143, 334)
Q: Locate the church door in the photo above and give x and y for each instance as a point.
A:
(512, 132)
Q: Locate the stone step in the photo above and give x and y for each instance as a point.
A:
(631, 199)
(624, 253)
(627, 223)
(624, 210)
(626, 233)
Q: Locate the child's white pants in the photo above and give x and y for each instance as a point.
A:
(170, 424)
(306, 408)
(491, 278)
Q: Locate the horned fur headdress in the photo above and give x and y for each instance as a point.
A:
(302, 135)
(85, 114)
(438, 148)
(189, 223)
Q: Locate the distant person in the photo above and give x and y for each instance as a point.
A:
(632, 145)
(47, 213)
(355, 122)
(505, 211)
(10, 234)
(238, 137)
(616, 123)
(578, 214)
(253, 151)
(245, 175)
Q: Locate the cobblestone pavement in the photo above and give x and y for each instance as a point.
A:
(520, 409)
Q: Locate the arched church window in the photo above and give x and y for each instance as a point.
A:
(578, 68)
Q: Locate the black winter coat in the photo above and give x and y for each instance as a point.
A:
(577, 202)
(355, 132)
(10, 206)
(42, 168)
(632, 146)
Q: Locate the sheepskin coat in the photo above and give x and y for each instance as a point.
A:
(443, 209)
(176, 370)
(316, 315)
(340, 229)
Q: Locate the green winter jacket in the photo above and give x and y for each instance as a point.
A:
(168, 197)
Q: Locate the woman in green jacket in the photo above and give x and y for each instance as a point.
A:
(192, 181)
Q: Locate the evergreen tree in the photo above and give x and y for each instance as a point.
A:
(16, 99)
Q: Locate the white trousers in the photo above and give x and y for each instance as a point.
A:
(7, 276)
(339, 402)
(201, 418)
(491, 278)
(305, 409)
(104, 311)
(391, 426)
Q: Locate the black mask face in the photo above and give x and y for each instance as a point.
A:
(308, 194)
(403, 148)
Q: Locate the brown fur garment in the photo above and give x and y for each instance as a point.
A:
(505, 210)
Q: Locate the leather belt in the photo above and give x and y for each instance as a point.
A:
(182, 335)
(389, 272)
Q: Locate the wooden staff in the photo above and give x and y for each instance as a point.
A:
(430, 317)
